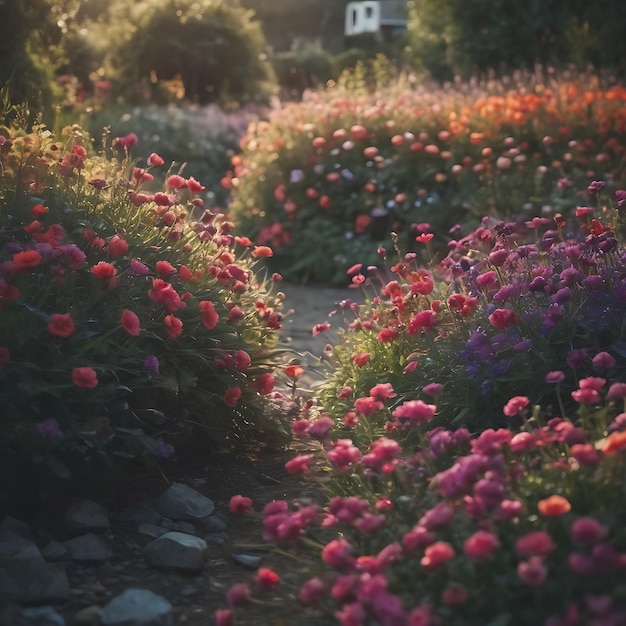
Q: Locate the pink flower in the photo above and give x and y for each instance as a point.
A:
(343, 454)
(617, 391)
(439, 516)
(588, 530)
(382, 391)
(320, 427)
(424, 320)
(555, 377)
(319, 328)
(416, 538)
(130, 322)
(165, 268)
(155, 160)
(267, 578)
(265, 384)
(313, 591)
(209, 314)
(515, 405)
(223, 617)
(415, 411)
(367, 406)
(532, 572)
(175, 182)
(585, 453)
(299, 464)
(337, 554)
(603, 362)
(238, 595)
(61, 325)
(387, 335)
(433, 389)
(117, 246)
(437, 554)
(240, 504)
(481, 545)
(538, 543)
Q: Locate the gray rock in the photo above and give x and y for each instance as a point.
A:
(137, 607)
(152, 530)
(177, 551)
(140, 512)
(54, 551)
(89, 547)
(18, 546)
(179, 527)
(83, 516)
(248, 560)
(29, 580)
(43, 616)
(215, 523)
(16, 526)
(180, 502)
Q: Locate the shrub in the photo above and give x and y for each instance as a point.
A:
(214, 46)
(128, 315)
(327, 180)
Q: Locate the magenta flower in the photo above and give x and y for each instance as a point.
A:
(556, 376)
(532, 572)
(415, 411)
(515, 405)
(382, 391)
(481, 546)
(49, 429)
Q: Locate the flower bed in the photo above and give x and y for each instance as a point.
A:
(473, 433)
(129, 318)
(325, 181)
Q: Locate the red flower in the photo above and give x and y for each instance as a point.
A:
(34, 227)
(319, 328)
(164, 293)
(231, 397)
(262, 251)
(175, 182)
(155, 159)
(130, 322)
(265, 384)
(8, 293)
(267, 578)
(103, 270)
(554, 506)
(387, 335)
(615, 442)
(174, 326)
(26, 260)
(501, 318)
(61, 325)
(194, 186)
(424, 320)
(240, 504)
(117, 246)
(185, 274)
(39, 209)
(361, 359)
(165, 268)
(209, 314)
(85, 377)
(437, 554)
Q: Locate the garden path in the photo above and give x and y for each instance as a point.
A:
(259, 475)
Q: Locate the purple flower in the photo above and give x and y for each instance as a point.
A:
(163, 450)
(152, 363)
(595, 186)
(49, 429)
(576, 358)
(556, 376)
(138, 268)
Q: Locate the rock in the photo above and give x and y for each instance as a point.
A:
(14, 545)
(31, 580)
(177, 551)
(43, 616)
(137, 607)
(54, 551)
(140, 512)
(16, 526)
(88, 547)
(188, 590)
(215, 523)
(84, 516)
(88, 615)
(179, 527)
(152, 530)
(180, 502)
(247, 560)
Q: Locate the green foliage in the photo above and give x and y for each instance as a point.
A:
(125, 320)
(213, 46)
(458, 37)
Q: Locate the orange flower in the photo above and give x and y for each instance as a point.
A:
(554, 506)
(26, 260)
(615, 442)
(262, 251)
(130, 322)
(103, 270)
(85, 377)
(39, 209)
(293, 371)
(61, 325)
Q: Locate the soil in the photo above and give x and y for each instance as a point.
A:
(259, 474)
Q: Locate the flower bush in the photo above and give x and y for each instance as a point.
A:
(129, 317)
(326, 180)
(472, 438)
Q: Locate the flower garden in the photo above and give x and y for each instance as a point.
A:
(469, 434)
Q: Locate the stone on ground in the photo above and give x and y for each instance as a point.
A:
(177, 551)
(137, 607)
(181, 502)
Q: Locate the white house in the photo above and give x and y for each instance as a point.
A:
(371, 16)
